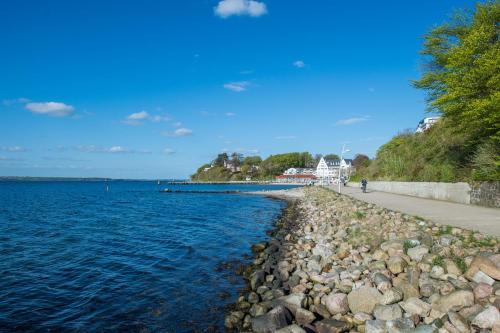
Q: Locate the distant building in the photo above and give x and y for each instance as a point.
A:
(299, 171)
(296, 179)
(426, 123)
(232, 166)
(328, 170)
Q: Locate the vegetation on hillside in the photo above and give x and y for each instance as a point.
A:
(254, 167)
(462, 81)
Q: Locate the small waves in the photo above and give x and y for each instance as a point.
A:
(75, 258)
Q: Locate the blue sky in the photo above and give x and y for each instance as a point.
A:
(153, 89)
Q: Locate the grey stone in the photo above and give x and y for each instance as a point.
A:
(292, 302)
(392, 296)
(396, 264)
(291, 329)
(454, 301)
(387, 312)
(425, 329)
(459, 322)
(363, 299)
(256, 279)
(304, 317)
(336, 303)
(480, 277)
(275, 319)
(487, 317)
(415, 306)
(331, 326)
(418, 252)
(401, 325)
(375, 326)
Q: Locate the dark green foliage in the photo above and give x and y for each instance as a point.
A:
(332, 157)
(276, 164)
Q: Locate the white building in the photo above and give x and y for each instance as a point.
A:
(426, 123)
(328, 170)
(299, 171)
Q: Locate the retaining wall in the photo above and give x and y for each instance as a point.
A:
(455, 192)
(485, 194)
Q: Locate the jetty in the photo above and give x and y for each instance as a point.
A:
(200, 192)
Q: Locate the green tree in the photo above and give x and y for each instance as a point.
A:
(462, 73)
(221, 158)
(332, 157)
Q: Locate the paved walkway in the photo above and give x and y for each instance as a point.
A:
(485, 220)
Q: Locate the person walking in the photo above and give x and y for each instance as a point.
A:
(364, 182)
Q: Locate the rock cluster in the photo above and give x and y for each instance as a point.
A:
(336, 265)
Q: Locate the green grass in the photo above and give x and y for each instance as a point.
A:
(438, 261)
(460, 264)
(407, 245)
(444, 230)
(359, 214)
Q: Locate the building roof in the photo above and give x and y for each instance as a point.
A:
(296, 176)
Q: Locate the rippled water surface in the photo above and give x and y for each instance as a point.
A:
(74, 257)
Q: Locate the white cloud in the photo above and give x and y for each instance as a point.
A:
(227, 8)
(286, 137)
(13, 149)
(230, 114)
(179, 132)
(54, 109)
(351, 121)
(299, 64)
(138, 118)
(237, 86)
(177, 124)
(168, 151)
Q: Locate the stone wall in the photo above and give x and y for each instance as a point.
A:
(480, 193)
(485, 194)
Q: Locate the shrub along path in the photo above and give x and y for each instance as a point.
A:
(485, 220)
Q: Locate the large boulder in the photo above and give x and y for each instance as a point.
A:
(291, 329)
(331, 326)
(292, 302)
(364, 299)
(454, 301)
(336, 303)
(275, 319)
(487, 318)
(485, 265)
(415, 306)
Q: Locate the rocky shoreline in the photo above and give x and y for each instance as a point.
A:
(336, 264)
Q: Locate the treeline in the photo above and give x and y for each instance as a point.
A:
(462, 81)
(240, 167)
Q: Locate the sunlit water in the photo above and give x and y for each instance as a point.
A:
(74, 257)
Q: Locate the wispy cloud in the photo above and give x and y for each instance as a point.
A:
(138, 118)
(105, 150)
(10, 159)
(299, 64)
(13, 149)
(237, 86)
(168, 151)
(351, 121)
(227, 8)
(207, 114)
(246, 151)
(230, 114)
(286, 137)
(179, 132)
(246, 72)
(54, 109)
(21, 100)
